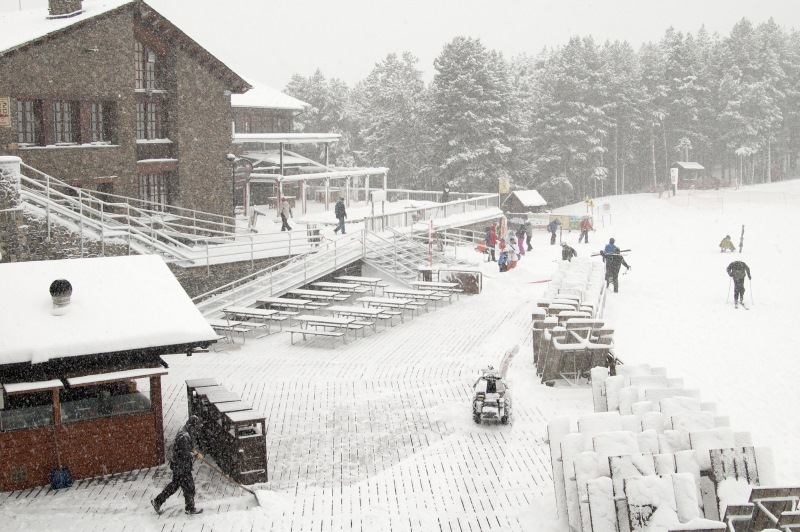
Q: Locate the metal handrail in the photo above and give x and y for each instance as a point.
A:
(412, 216)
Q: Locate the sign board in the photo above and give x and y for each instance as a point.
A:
(503, 184)
(378, 195)
(606, 207)
(539, 220)
(673, 175)
(241, 172)
(5, 111)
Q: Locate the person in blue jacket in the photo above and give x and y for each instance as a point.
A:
(553, 227)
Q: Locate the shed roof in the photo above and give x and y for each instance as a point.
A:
(263, 97)
(118, 304)
(530, 198)
(686, 165)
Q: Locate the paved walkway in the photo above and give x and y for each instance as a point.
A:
(373, 435)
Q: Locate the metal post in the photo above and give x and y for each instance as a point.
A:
(208, 264)
(102, 232)
(251, 251)
(80, 199)
(47, 178)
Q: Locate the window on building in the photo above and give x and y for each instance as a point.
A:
(150, 120)
(64, 121)
(128, 396)
(101, 122)
(148, 67)
(153, 188)
(27, 411)
(29, 122)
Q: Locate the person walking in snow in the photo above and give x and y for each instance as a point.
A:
(341, 214)
(553, 227)
(445, 194)
(737, 270)
(502, 262)
(511, 249)
(521, 238)
(567, 252)
(726, 244)
(491, 242)
(183, 455)
(586, 226)
(286, 213)
(614, 261)
(529, 233)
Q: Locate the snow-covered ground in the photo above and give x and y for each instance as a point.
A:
(377, 434)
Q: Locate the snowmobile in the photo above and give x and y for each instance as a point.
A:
(491, 399)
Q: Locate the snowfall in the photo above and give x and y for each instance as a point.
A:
(377, 434)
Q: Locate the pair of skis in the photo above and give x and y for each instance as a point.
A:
(736, 305)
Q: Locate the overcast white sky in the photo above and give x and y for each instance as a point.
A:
(270, 40)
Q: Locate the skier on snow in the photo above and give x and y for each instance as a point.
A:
(737, 270)
(614, 261)
(567, 252)
(726, 244)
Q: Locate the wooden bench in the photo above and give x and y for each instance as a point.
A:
(315, 332)
(230, 327)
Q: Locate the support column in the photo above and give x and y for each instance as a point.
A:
(327, 192)
(13, 233)
(366, 188)
(347, 191)
(158, 416)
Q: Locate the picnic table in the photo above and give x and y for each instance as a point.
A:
(341, 287)
(263, 316)
(388, 303)
(371, 282)
(441, 287)
(317, 294)
(229, 327)
(287, 302)
(321, 324)
(420, 295)
(360, 312)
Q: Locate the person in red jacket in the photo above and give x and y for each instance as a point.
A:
(491, 242)
(586, 226)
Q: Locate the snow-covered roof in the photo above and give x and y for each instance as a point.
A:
(21, 27)
(530, 198)
(685, 165)
(263, 97)
(117, 304)
(286, 138)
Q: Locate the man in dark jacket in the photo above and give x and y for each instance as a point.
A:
(614, 261)
(567, 252)
(183, 455)
(737, 270)
(341, 214)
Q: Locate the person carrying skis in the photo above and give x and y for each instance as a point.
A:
(737, 270)
(567, 252)
(726, 244)
(491, 242)
(183, 455)
(553, 227)
(614, 261)
(586, 226)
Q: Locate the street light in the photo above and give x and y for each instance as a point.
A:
(232, 159)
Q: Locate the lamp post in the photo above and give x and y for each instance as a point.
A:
(232, 159)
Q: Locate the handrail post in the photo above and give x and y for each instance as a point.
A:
(80, 212)
(47, 178)
(208, 263)
(252, 263)
(102, 232)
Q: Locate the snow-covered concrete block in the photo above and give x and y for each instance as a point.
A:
(591, 424)
(669, 406)
(704, 440)
(599, 375)
(671, 441)
(586, 469)
(601, 505)
(656, 394)
(622, 467)
(618, 443)
(557, 428)
(674, 382)
(709, 407)
(686, 462)
(689, 421)
(766, 466)
(742, 438)
(648, 441)
(653, 421)
(722, 421)
(627, 370)
(613, 386)
(626, 397)
(732, 491)
(631, 423)
(571, 446)
(651, 502)
(687, 506)
(649, 381)
(641, 407)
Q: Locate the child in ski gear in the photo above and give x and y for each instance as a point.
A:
(491, 242)
(511, 249)
(183, 456)
(737, 270)
(529, 233)
(567, 252)
(341, 214)
(553, 227)
(586, 226)
(503, 261)
(614, 261)
(521, 238)
(286, 213)
(726, 244)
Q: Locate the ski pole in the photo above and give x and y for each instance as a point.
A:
(750, 282)
(728, 296)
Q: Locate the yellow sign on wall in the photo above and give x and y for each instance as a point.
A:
(503, 184)
(5, 111)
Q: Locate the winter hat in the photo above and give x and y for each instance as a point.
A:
(610, 240)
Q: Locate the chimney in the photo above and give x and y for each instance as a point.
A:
(65, 8)
(61, 290)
